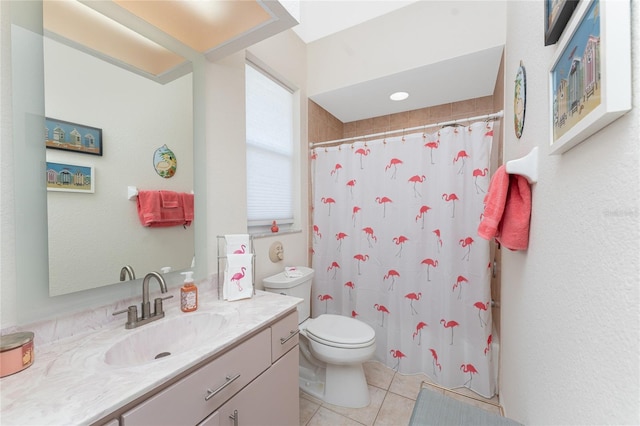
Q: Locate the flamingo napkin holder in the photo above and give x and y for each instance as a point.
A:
(238, 277)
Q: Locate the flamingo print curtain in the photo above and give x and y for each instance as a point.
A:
(395, 245)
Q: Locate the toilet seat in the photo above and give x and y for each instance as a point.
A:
(340, 332)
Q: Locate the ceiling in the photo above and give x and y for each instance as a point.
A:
(177, 40)
(462, 77)
(457, 79)
(159, 38)
(320, 18)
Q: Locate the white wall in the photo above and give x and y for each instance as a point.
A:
(226, 153)
(570, 305)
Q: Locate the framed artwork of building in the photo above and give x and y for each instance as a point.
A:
(74, 137)
(70, 177)
(590, 74)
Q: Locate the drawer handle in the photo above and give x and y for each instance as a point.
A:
(292, 333)
(211, 394)
(234, 417)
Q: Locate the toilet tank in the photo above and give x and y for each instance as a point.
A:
(293, 286)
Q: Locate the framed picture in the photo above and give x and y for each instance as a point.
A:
(556, 15)
(590, 75)
(70, 177)
(74, 137)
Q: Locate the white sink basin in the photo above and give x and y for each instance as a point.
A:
(163, 338)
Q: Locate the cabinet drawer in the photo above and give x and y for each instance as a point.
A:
(184, 402)
(284, 335)
(270, 400)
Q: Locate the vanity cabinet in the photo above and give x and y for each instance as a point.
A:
(254, 383)
(284, 336)
(268, 401)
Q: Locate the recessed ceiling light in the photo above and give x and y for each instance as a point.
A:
(399, 96)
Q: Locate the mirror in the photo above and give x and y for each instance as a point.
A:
(96, 234)
(29, 246)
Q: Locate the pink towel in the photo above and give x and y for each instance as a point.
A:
(148, 207)
(494, 203)
(170, 199)
(152, 213)
(187, 205)
(507, 210)
(514, 230)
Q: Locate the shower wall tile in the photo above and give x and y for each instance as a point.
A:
(463, 109)
(350, 130)
(419, 117)
(486, 104)
(364, 127)
(381, 124)
(399, 121)
(323, 126)
(441, 113)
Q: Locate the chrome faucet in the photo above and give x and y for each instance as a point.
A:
(132, 311)
(127, 270)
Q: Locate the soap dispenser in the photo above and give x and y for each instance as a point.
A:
(188, 293)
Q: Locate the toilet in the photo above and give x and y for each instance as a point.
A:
(332, 347)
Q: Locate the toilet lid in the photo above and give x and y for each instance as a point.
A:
(341, 330)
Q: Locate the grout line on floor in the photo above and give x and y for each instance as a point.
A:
(375, 419)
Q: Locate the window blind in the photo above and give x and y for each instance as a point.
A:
(269, 121)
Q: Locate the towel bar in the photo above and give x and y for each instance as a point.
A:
(132, 192)
(526, 166)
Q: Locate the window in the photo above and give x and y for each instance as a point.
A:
(269, 121)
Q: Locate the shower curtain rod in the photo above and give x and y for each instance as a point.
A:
(494, 115)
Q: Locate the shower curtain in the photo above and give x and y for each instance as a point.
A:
(395, 245)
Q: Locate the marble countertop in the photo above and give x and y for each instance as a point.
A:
(70, 383)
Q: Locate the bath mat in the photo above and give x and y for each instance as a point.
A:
(435, 409)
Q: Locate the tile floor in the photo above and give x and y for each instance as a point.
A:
(393, 396)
